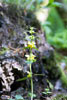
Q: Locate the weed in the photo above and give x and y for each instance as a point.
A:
(30, 58)
(47, 91)
(17, 97)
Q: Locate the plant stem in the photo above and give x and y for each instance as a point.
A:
(31, 83)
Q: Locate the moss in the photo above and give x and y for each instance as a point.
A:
(60, 58)
(63, 79)
(60, 97)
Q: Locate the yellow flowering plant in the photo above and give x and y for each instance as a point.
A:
(31, 44)
(30, 58)
(31, 30)
(32, 37)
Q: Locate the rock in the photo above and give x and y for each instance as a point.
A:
(5, 97)
(6, 74)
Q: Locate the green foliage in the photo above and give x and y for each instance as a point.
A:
(65, 59)
(62, 59)
(27, 4)
(47, 91)
(59, 40)
(50, 85)
(55, 30)
(63, 79)
(3, 50)
(57, 24)
(51, 1)
(17, 97)
(60, 97)
(30, 58)
(30, 94)
(54, 4)
(65, 1)
(31, 4)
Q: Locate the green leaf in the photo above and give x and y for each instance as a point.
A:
(39, 74)
(35, 48)
(18, 97)
(47, 89)
(56, 4)
(47, 92)
(3, 50)
(11, 99)
(50, 85)
(51, 1)
(30, 94)
(26, 47)
(29, 75)
(22, 79)
(44, 92)
(29, 62)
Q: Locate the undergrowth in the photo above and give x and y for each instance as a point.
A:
(56, 32)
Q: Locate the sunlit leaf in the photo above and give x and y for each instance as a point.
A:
(56, 4)
(30, 94)
(29, 75)
(18, 97)
(51, 1)
(29, 62)
(11, 99)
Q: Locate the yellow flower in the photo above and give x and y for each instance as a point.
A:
(31, 30)
(31, 45)
(30, 57)
(29, 74)
(32, 37)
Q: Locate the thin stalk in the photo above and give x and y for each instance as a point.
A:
(31, 83)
